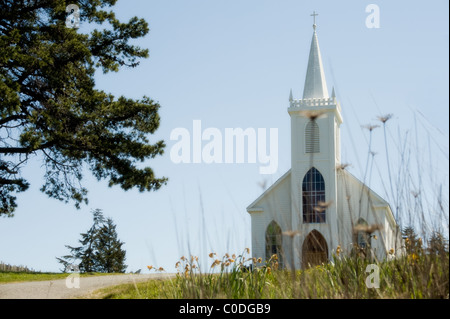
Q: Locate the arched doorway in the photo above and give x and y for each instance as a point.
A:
(314, 250)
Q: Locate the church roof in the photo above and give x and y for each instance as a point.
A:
(378, 201)
(315, 84)
(253, 207)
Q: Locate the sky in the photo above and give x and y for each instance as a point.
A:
(231, 64)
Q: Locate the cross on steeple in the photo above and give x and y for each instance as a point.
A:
(314, 14)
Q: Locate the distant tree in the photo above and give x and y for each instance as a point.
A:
(50, 108)
(110, 255)
(437, 244)
(413, 243)
(100, 250)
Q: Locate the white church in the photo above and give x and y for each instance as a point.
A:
(318, 206)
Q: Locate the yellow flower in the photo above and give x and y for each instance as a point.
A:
(391, 251)
(259, 260)
(269, 271)
(247, 250)
(215, 263)
(183, 258)
(231, 260)
(227, 263)
(211, 255)
(375, 237)
(150, 267)
(338, 250)
(160, 269)
(177, 264)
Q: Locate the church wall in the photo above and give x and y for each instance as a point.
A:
(357, 203)
(275, 205)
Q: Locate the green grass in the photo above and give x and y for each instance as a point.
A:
(10, 277)
(414, 276)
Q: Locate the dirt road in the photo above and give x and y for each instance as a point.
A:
(59, 289)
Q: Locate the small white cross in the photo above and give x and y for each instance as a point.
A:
(314, 14)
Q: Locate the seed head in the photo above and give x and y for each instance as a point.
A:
(338, 250)
(313, 115)
(215, 263)
(342, 166)
(291, 233)
(370, 127)
(321, 206)
(368, 228)
(383, 119)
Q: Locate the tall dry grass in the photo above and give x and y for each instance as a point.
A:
(414, 190)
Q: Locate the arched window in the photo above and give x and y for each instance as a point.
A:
(273, 241)
(314, 250)
(313, 188)
(362, 238)
(312, 137)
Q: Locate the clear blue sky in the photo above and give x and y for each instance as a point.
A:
(231, 64)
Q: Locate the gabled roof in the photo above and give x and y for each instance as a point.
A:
(267, 191)
(373, 194)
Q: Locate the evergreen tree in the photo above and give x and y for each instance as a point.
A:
(413, 243)
(100, 250)
(50, 108)
(437, 244)
(110, 256)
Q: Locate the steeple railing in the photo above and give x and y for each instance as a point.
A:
(315, 103)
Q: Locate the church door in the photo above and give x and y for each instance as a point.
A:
(315, 250)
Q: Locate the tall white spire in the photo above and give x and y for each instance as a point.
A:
(315, 84)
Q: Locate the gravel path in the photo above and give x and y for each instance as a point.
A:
(57, 289)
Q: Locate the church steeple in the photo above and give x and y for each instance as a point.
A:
(315, 84)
